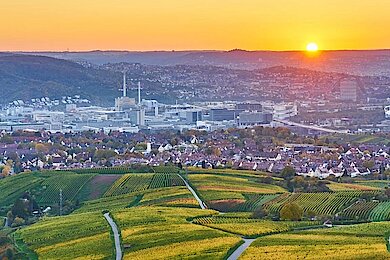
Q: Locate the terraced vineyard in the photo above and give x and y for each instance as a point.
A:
(69, 183)
(369, 211)
(114, 170)
(166, 169)
(380, 212)
(140, 182)
(215, 182)
(168, 196)
(251, 227)
(249, 202)
(69, 237)
(254, 201)
(363, 241)
(45, 186)
(324, 203)
(165, 180)
(375, 184)
(129, 183)
(13, 187)
(159, 232)
(158, 216)
(359, 210)
(335, 186)
(226, 192)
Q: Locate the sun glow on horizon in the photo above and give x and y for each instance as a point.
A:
(312, 47)
(285, 25)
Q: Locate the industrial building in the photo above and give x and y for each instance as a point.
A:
(249, 106)
(223, 114)
(253, 118)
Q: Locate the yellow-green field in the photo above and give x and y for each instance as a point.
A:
(229, 184)
(84, 235)
(165, 233)
(159, 218)
(334, 186)
(363, 241)
(251, 227)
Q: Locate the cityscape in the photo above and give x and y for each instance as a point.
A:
(185, 130)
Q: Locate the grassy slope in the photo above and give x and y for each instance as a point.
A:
(164, 233)
(251, 227)
(69, 237)
(161, 196)
(362, 186)
(364, 241)
(215, 187)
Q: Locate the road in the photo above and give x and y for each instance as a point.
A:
(118, 249)
(313, 127)
(6, 224)
(236, 254)
(201, 204)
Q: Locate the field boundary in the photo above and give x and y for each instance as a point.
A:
(201, 203)
(116, 235)
(22, 247)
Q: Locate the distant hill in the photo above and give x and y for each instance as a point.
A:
(30, 76)
(364, 62)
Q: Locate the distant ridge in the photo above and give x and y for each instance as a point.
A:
(328, 60)
(29, 76)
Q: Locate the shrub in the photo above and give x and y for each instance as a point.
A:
(260, 212)
(291, 211)
(18, 222)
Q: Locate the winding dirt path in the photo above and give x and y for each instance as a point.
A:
(236, 254)
(201, 203)
(118, 249)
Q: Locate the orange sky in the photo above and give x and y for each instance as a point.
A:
(193, 24)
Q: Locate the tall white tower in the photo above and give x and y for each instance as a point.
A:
(124, 84)
(139, 93)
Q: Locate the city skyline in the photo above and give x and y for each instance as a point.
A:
(193, 25)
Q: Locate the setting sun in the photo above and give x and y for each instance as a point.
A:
(312, 47)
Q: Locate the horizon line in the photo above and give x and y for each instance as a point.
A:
(183, 50)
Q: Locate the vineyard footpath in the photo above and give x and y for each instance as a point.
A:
(118, 248)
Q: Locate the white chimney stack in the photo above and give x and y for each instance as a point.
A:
(139, 93)
(124, 84)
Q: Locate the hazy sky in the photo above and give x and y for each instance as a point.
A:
(193, 24)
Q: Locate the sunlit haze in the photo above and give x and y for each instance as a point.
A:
(193, 24)
(312, 47)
